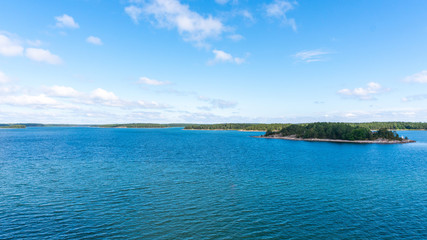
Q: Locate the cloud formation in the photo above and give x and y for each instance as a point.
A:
(221, 56)
(42, 55)
(148, 81)
(278, 9)
(62, 91)
(366, 93)
(311, 55)
(216, 103)
(94, 40)
(9, 48)
(418, 97)
(3, 78)
(66, 21)
(172, 14)
(420, 77)
(134, 12)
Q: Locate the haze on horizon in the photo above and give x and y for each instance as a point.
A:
(164, 61)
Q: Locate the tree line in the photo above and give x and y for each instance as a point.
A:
(342, 131)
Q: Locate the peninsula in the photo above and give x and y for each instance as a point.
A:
(335, 132)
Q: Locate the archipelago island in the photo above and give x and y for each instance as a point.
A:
(335, 132)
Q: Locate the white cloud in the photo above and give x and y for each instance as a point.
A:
(134, 12)
(172, 14)
(62, 91)
(27, 100)
(420, 77)
(42, 55)
(311, 55)
(94, 40)
(221, 56)
(148, 81)
(9, 47)
(364, 93)
(3, 78)
(278, 9)
(66, 21)
(101, 94)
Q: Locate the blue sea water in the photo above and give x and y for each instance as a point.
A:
(91, 183)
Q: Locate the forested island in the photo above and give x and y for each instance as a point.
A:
(336, 132)
(141, 125)
(12, 126)
(238, 126)
(279, 126)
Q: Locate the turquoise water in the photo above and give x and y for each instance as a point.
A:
(68, 183)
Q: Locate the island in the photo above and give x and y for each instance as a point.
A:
(335, 132)
(278, 126)
(12, 126)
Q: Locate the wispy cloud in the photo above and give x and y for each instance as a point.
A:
(42, 55)
(134, 12)
(278, 9)
(311, 55)
(3, 78)
(236, 37)
(94, 40)
(418, 97)
(66, 21)
(366, 93)
(172, 14)
(420, 77)
(216, 103)
(154, 82)
(221, 56)
(9, 47)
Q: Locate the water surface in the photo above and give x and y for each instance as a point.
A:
(73, 183)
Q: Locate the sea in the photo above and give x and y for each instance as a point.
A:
(106, 183)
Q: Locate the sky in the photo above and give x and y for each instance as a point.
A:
(212, 61)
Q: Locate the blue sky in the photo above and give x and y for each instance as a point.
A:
(93, 61)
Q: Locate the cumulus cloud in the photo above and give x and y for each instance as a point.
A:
(366, 93)
(148, 81)
(172, 14)
(3, 78)
(66, 21)
(104, 95)
(311, 55)
(62, 91)
(94, 40)
(8, 47)
(420, 77)
(278, 9)
(42, 55)
(221, 56)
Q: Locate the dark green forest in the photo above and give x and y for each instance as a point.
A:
(279, 126)
(342, 131)
(141, 125)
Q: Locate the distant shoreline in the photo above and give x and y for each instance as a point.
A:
(240, 130)
(377, 141)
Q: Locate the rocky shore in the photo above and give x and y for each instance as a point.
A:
(377, 141)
